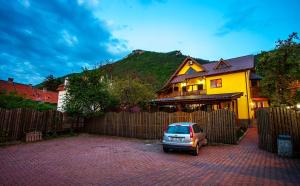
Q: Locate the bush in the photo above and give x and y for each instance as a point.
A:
(12, 100)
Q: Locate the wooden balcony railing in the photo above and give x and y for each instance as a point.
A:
(188, 93)
(194, 92)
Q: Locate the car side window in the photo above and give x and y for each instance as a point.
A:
(196, 128)
(201, 130)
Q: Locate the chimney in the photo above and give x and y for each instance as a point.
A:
(44, 89)
(10, 80)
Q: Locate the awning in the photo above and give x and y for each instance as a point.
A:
(202, 99)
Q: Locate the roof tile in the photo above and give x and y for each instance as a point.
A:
(28, 92)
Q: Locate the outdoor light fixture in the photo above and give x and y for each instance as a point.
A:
(298, 105)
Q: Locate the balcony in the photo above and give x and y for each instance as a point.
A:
(194, 92)
(188, 93)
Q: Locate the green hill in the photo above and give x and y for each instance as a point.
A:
(151, 67)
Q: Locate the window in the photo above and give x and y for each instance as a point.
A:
(222, 65)
(184, 89)
(215, 83)
(200, 87)
(190, 71)
(196, 128)
(175, 89)
(178, 129)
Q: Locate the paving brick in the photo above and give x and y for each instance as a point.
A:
(102, 160)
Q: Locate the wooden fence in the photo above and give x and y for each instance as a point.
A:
(272, 122)
(15, 123)
(220, 125)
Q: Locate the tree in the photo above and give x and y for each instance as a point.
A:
(131, 92)
(52, 83)
(87, 94)
(279, 68)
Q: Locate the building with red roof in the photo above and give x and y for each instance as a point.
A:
(224, 84)
(28, 91)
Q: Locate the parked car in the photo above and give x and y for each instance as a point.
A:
(184, 136)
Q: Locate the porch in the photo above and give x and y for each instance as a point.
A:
(198, 102)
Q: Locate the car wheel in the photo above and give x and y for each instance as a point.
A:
(166, 150)
(196, 151)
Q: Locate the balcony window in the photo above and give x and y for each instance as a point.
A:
(215, 83)
(200, 87)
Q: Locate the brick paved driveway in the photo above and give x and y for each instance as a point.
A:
(96, 160)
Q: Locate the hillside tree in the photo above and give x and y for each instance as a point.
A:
(51, 83)
(131, 92)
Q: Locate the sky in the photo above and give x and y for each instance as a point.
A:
(41, 37)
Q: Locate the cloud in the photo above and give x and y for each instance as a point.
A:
(237, 20)
(39, 38)
(71, 40)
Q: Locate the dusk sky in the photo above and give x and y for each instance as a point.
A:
(38, 38)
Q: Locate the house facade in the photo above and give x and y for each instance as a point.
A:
(224, 84)
(62, 96)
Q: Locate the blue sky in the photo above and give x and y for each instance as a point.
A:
(38, 38)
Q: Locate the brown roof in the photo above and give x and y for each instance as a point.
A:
(179, 68)
(61, 87)
(234, 65)
(28, 92)
(199, 98)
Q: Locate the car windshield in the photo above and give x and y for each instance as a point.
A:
(178, 129)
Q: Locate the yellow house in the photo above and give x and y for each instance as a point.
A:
(224, 84)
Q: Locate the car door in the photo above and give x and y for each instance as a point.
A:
(199, 132)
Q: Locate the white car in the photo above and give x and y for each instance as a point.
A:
(184, 136)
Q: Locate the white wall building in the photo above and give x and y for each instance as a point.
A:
(62, 95)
